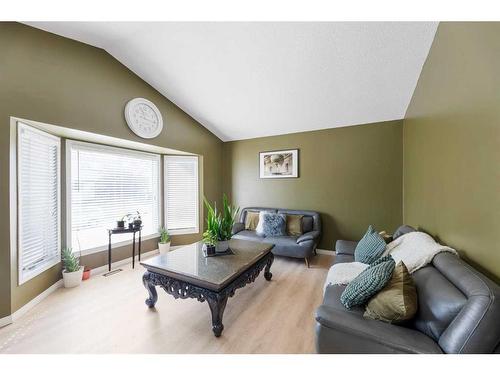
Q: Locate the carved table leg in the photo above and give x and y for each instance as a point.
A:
(153, 296)
(267, 271)
(217, 303)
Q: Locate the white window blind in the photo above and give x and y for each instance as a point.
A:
(106, 184)
(181, 194)
(38, 201)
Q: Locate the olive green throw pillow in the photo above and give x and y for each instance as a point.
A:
(294, 225)
(368, 282)
(397, 301)
(251, 220)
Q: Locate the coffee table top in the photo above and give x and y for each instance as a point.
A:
(189, 264)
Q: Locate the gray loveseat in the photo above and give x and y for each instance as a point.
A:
(458, 312)
(292, 246)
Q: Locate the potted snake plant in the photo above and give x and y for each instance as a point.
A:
(164, 243)
(220, 224)
(72, 272)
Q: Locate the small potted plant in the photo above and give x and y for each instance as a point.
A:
(137, 220)
(121, 223)
(72, 272)
(220, 224)
(164, 244)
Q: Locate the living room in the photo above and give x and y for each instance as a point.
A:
(250, 187)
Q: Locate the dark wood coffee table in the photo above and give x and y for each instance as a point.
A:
(186, 273)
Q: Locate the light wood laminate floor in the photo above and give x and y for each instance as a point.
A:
(108, 315)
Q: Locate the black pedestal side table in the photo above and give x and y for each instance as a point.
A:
(122, 231)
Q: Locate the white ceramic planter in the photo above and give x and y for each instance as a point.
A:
(72, 279)
(222, 246)
(164, 247)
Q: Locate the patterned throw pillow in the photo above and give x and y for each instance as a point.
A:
(370, 247)
(274, 225)
(260, 226)
(368, 282)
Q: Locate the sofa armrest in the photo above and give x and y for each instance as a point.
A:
(309, 236)
(371, 336)
(238, 227)
(343, 247)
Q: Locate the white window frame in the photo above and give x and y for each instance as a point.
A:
(196, 229)
(100, 147)
(24, 276)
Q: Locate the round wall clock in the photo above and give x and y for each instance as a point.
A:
(143, 118)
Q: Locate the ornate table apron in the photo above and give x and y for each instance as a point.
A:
(216, 299)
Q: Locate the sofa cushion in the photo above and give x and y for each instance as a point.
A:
(307, 224)
(274, 224)
(260, 225)
(397, 301)
(368, 282)
(287, 245)
(251, 220)
(370, 247)
(403, 229)
(294, 225)
(248, 235)
(346, 331)
(343, 247)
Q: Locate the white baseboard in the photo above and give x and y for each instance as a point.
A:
(35, 301)
(104, 269)
(325, 252)
(5, 321)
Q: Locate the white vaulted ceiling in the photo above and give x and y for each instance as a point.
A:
(246, 80)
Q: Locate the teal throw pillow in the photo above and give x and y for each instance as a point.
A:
(370, 247)
(368, 283)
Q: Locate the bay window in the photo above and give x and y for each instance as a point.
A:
(105, 183)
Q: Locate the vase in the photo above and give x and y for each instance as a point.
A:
(222, 246)
(164, 247)
(72, 279)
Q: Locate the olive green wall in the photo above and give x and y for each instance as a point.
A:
(51, 79)
(452, 143)
(351, 175)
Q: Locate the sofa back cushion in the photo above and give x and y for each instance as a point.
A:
(251, 220)
(311, 220)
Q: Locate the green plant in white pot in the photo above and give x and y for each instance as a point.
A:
(164, 243)
(220, 224)
(72, 272)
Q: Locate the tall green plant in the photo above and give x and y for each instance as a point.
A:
(71, 262)
(219, 223)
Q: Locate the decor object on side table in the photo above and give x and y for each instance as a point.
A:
(143, 118)
(72, 272)
(164, 244)
(220, 224)
(279, 164)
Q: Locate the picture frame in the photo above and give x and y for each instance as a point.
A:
(279, 164)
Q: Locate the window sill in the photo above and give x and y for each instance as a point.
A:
(115, 245)
(178, 232)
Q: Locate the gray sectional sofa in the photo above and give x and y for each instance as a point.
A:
(459, 312)
(292, 246)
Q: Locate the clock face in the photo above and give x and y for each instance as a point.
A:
(143, 118)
